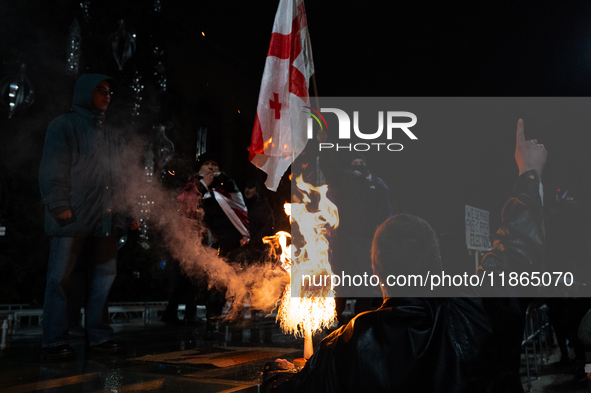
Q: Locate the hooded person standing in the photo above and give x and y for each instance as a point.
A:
(79, 181)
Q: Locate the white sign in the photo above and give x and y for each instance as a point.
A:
(477, 229)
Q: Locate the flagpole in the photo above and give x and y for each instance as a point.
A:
(319, 175)
(315, 91)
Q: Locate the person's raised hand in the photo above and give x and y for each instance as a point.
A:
(529, 154)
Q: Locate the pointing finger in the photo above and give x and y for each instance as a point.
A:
(520, 132)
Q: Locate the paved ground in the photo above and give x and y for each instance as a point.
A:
(23, 370)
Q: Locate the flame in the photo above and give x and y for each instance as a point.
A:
(307, 308)
(269, 142)
(279, 240)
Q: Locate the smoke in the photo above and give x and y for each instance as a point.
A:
(261, 283)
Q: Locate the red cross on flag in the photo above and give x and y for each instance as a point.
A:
(279, 132)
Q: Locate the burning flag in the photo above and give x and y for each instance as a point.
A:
(306, 308)
(279, 132)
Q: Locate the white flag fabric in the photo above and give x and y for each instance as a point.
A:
(279, 132)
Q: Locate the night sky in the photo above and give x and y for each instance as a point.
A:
(361, 49)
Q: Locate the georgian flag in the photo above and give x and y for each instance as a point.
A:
(279, 132)
(233, 205)
(230, 200)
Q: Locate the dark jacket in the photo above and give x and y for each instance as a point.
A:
(438, 344)
(362, 200)
(227, 237)
(260, 218)
(81, 168)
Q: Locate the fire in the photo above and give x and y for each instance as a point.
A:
(306, 309)
(279, 240)
(269, 142)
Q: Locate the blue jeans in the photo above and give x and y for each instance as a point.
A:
(101, 268)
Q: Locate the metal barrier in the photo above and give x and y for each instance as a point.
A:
(132, 310)
(34, 312)
(12, 307)
(127, 311)
(537, 333)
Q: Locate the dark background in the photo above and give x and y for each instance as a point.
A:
(360, 49)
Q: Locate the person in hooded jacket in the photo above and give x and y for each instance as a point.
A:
(79, 181)
(451, 341)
